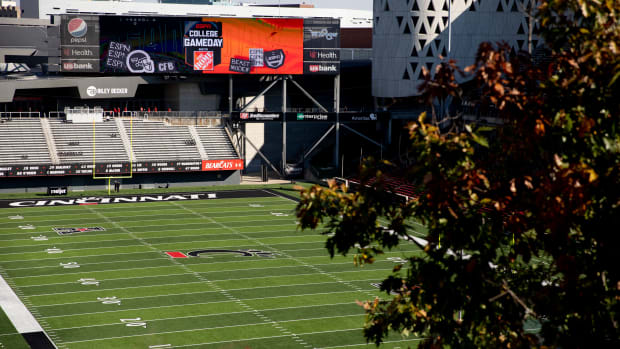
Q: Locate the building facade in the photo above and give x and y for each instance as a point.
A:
(410, 35)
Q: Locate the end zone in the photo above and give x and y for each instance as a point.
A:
(97, 200)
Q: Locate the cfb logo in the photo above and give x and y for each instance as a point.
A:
(77, 27)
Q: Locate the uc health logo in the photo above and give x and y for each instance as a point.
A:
(77, 27)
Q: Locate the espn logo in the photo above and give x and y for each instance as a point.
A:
(203, 60)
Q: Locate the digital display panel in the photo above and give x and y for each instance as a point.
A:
(168, 45)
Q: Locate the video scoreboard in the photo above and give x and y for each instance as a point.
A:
(125, 45)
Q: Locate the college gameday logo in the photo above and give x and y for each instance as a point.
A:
(77, 27)
(203, 60)
(222, 165)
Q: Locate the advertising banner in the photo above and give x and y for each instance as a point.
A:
(256, 117)
(309, 116)
(322, 33)
(222, 165)
(79, 44)
(321, 46)
(103, 169)
(318, 116)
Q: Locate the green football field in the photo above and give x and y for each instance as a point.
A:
(244, 276)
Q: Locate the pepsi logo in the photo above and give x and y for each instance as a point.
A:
(77, 27)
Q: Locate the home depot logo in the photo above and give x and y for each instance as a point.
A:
(203, 60)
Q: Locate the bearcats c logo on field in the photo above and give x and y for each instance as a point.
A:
(240, 253)
(69, 231)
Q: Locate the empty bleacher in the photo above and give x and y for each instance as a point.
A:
(74, 142)
(23, 142)
(154, 141)
(216, 143)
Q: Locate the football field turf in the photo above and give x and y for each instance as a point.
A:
(212, 273)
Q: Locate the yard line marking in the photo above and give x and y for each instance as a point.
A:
(174, 261)
(125, 269)
(211, 328)
(55, 220)
(236, 232)
(210, 263)
(86, 256)
(235, 312)
(148, 232)
(83, 264)
(129, 278)
(99, 271)
(245, 289)
(160, 243)
(155, 333)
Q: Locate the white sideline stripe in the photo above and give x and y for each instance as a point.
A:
(16, 311)
(233, 312)
(206, 328)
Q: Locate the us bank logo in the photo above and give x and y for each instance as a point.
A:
(77, 27)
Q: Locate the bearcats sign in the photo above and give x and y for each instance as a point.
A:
(222, 165)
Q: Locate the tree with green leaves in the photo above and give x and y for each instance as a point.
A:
(523, 221)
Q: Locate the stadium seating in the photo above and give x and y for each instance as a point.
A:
(216, 143)
(22, 142)
(152, 140)
(74, 142)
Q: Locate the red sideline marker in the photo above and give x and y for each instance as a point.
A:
(89, 203)
(176, 254)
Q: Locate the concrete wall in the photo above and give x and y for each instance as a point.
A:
(412, 34)
(174, 180)
(187, 96)
(268, 138)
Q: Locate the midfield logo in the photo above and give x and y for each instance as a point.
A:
(69, 231)
(239, 253)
